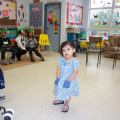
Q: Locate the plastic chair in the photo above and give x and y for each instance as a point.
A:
(83, 45)
(93, 50)
(44, 40)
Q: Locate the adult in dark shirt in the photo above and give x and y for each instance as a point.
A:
(5, 45)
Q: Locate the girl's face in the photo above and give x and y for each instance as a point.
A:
(68, 51)
(30, 34)
(23, 33)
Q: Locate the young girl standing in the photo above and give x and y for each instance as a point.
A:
(31, 45)
(66, 83)
(2, 85)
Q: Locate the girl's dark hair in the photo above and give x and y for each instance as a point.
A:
(28, 35)
(67, 43)
(19, 32)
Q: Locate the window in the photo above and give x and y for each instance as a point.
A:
(104, 18)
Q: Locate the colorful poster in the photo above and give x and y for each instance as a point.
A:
(36, 11)
(8, 13)
(74, 14)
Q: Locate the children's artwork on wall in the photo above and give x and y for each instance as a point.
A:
(21, 14)
(8, 13)
(105, 23)
(36, 1)
(12, 33)
(96, 16)
(74, 14)
(51, 17)
(36, 11)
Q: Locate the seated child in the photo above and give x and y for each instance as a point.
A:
(19, 44)
(31, 45)
(2, 85)
(5, 45)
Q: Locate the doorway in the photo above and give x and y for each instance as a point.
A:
(52, 24)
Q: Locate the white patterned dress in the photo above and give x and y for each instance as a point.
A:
(66, 69)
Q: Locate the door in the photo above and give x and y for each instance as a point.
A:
(52, 24)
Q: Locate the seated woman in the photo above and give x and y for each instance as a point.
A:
(5, 45)
(19, 44)
(31, 45)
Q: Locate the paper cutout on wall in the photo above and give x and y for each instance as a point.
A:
(92, 34)
(105, 34)
(117, 23)
(99, 34)
(51, 17)
(97, 22)
(96, 16)
(105, 15)
(117, 14)
(105, 23)
(56, 28)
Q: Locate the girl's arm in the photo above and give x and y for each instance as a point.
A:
(58, 71)
(73, 75)
(35, 41)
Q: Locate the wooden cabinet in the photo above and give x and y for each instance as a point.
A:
(37, 33)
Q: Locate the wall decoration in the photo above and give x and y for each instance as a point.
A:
(36, 11)
(74, 14)
(21, 14)
(51, 17)
(36, 1)
(8, 13)
(105, 23)
(12, 33)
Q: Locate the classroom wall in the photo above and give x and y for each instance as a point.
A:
(63, 14)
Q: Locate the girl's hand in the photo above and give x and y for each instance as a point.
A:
(34, 41)
(66, 84)
(57, 81)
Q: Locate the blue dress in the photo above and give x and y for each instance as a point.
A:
(2, 85)
(66, 69)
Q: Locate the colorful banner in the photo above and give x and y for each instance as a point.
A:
(36, 11)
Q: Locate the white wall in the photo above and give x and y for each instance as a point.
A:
(85, 14)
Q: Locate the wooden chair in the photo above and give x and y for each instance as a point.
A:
(93, 50)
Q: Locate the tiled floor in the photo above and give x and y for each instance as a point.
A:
(29, 91)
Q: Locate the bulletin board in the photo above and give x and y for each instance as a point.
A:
(74, 14)
(8, 13)
(36, 14)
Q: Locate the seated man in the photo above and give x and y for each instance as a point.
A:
(5, 45)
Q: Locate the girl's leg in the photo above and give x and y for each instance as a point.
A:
(66, 104)
(37, 53)
(30, 53)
